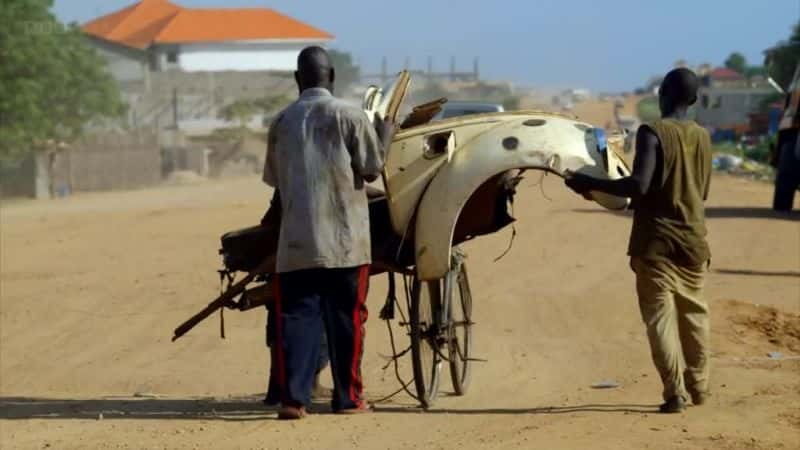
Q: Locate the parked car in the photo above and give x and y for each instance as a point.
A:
(455, 109)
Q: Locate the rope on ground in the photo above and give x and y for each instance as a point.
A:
(395, 355)
(513, 234)
(403, 384)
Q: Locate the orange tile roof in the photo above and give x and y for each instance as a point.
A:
(213, 25)
(724, 73)
(159, 21)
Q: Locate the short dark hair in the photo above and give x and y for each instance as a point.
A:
(680, 85)
(313, 59)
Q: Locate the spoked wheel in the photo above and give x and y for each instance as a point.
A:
(459, 324)
(427, 338)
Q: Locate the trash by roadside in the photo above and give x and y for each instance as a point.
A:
(725, 161)
(738, 166)
(775, 355)
(605, 384)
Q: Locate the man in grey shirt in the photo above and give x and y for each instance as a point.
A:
(321, 153)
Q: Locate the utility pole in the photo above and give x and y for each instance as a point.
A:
(452, 68)
(475, 71)
(384, 73)
(430, 69)
(175, 108)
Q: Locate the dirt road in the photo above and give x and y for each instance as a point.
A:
(597, 112)
(92, 287)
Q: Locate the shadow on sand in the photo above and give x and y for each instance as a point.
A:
(594, 408)
(235, 409)
(758, 273)
(716, 212)
(238, 409)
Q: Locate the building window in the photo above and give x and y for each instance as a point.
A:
(717, 103)
(172, 57)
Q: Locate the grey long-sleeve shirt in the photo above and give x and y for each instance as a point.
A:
(319, 150)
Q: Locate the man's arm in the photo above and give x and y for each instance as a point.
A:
(270, 175)
(709, 163)
(634, 186)
(369, 145)
(273, 215)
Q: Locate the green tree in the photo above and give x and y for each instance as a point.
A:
(736, 61)
(782, 60)
(752, 71)
(763, 105)
(240, 112)
(347, 73)
(647, 109)
(52, 81)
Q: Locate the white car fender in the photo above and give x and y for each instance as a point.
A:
(545, 142)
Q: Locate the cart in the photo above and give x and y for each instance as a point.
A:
(446, 183)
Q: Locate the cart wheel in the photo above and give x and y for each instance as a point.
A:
(459, 326)
(427, 338)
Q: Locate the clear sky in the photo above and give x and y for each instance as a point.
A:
(600, 44)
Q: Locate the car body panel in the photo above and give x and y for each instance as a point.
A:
(433, 169)
(386, 101)
(434, 191)
(453, 109)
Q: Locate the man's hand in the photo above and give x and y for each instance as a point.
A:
(385, 129)
(578, 182)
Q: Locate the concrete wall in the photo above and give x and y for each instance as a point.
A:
(125, 64)
(200, 94)
(32, 176)
(223, 84)
(109, 162)
(217, 75)
(18, 178)
(728, 107)
(193, 159)
(236, 56)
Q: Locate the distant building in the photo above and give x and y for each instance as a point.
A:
(726, 98)
(157, 36)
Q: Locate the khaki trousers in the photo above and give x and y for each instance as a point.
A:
(677, 319)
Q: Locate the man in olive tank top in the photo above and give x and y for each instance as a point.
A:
(668, 248)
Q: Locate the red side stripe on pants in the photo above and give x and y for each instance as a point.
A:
(279, 338)
(358, 334)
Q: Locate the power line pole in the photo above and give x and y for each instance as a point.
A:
(430, 69)
(175, 108)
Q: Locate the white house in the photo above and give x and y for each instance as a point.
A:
(157, 35)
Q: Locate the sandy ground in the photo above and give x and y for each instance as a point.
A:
(601, 112)
(93, 286)
(597, 112)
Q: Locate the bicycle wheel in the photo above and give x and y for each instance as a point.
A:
(459, 328)
(426, 338)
